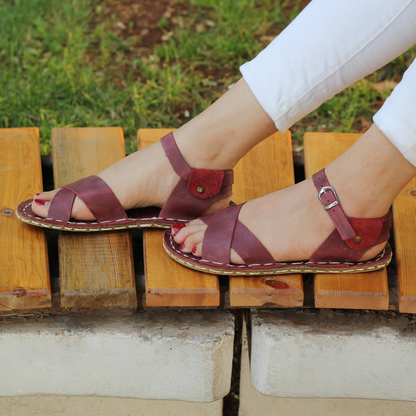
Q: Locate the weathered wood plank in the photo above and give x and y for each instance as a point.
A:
(404, 225)
(24, 269)
(96, 269)
(168, 283)
(267, 168)
(350, 291)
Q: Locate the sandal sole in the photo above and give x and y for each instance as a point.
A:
(190, 261)
(96, 226)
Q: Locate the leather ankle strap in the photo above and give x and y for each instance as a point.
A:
(175, 156)
(329, 200)
(210, 180)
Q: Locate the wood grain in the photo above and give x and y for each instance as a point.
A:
(404, 225)
(267, 168)
(24, 269)
(346, 291)
(96, 269)
(168, 283)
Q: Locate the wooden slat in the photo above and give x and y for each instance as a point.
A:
(96, 269)
(267, 168)
(350, 291)
(24, 269)
(404, 225)
(167, 282)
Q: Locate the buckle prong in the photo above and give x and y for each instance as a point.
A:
(323, 191)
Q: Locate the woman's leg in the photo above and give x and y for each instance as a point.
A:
(329, 46)
(304, 66)
(215, 139)
(292, 223)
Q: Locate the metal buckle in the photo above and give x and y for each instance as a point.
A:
(323, 191)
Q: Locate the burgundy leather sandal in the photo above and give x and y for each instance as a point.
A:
(196, 190)
(340, 252)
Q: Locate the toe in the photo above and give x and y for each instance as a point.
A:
(192, 241)
(180, 234)
(197, 250)
(40, 205)
(191, 238)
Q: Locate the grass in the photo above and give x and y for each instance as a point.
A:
(75, 63)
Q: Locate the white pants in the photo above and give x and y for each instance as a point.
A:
(331, 45)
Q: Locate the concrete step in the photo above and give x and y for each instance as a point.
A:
(103, 406)
(324, 354)
(253, 403)
(151, 355)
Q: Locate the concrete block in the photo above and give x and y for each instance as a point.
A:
(253, 403)
(333, 355)
(161, 355)
(103, 406)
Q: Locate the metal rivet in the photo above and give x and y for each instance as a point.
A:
(357, 239)
(201, 189)
(7, 212)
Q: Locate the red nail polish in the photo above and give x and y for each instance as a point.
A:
(39, 202)
(182, 247)
(176, 228)
(37, 194)
(194, 250)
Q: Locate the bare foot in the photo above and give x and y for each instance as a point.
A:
(215, 139)
(142, 179)
(291, 224)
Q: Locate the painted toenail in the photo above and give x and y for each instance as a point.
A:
(39, 202)
(194, 250)
(182, 247)
(176, 228)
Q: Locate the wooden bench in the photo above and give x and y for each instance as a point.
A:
(266, 168)
(96, 270)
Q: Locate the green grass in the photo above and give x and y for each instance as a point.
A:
(44, 80)
(62, 64)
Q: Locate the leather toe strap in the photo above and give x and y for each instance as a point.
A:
(219, 234)
(96, 195)
(225, 232)
(61, 205)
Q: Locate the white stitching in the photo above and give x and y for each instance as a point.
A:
(102, 222)
(266, 272)
(276, 271)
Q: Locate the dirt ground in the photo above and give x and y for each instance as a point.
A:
(137, 21)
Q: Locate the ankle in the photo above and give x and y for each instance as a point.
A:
(203, 154)
(358, 196)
